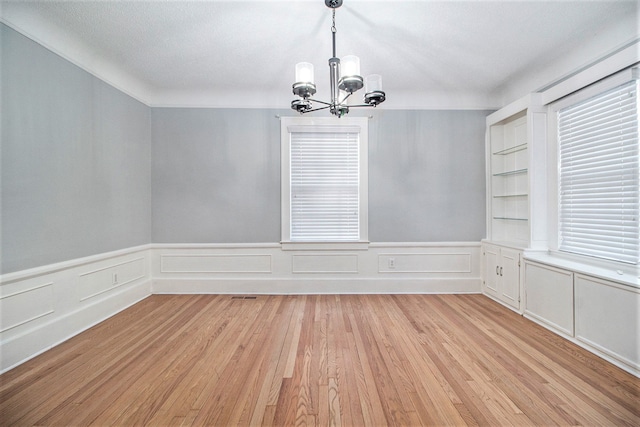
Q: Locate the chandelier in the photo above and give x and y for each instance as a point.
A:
(344, 77)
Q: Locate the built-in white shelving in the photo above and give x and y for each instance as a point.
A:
(516, 196)
(509, 169)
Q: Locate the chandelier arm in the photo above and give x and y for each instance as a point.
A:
(317, 109)
(345, 98)
(320, 102)
(361, 105)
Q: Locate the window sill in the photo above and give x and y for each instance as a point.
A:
(607, 270)
(324, 246)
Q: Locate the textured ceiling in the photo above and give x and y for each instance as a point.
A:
(451, 54)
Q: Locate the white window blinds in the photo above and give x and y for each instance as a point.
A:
(598, 142)
(325, 186)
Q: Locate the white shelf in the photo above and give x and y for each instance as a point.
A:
(505, 196)
(511, 150)
(511, 172)
(508, 189)
(505, 218)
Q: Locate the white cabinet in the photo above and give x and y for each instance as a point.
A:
(598, 313)
(608, 318)
(501, 274)
(549, 296)
(516, 159)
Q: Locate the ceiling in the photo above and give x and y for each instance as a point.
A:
(431, 54)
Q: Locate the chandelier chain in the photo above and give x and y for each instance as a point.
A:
(333, 26)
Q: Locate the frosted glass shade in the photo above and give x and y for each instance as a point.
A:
(304, 72)
(350, 66)
(373, 83)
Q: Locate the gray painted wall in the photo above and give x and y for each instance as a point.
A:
(216, 176)
(79, 175)
(75, 160)
(427, 176)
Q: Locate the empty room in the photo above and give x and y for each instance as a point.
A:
(320, 212)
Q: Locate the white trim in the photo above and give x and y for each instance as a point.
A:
(213, 246)
(64, 265)
(595, 88)
(422, 244)
(323, 124)
(626, 57)
(81, 56)
(325, 246)
(553, 159)
(316, 286)
(611, 271)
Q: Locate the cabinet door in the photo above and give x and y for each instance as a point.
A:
(607, 318)
(549, 296)
(491, 269)
(509, 283)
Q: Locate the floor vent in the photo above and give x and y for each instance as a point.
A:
(243, 297)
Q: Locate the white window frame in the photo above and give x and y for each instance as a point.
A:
(553, 188)
(324, 124)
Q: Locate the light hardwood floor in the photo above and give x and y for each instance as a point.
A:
(349, 360)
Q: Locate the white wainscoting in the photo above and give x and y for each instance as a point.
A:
(44, 306)
(268, 269)
(215, 263)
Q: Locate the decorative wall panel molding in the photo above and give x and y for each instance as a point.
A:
(98, 281)
(324, 263)
(26, 305)
(424, 263)
(219, 263)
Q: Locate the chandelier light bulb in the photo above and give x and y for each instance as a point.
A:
(372, 83)
(350, 66)
(304, 72)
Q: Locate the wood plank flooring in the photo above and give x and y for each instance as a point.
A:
(350, 360)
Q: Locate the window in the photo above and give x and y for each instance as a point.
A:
(598, 175)
(324, 179)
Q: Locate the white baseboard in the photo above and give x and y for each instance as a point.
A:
(315, 286)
